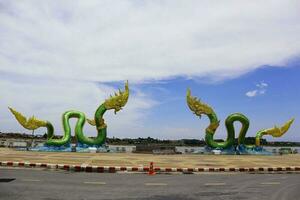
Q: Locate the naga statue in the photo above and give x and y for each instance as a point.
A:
(114, 102)
(199, 108)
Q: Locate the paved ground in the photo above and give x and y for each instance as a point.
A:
(31, 184)
(129, 159)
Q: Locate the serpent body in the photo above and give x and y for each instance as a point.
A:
(114, 102)
(101, 129)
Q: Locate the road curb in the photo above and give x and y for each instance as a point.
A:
(115, 169)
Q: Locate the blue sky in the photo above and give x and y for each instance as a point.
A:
(236, 56)
(274, 106)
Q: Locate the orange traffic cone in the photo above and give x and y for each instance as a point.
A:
(151, 169)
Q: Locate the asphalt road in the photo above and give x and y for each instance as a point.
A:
(34, 184)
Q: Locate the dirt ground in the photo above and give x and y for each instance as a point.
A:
(131, 159)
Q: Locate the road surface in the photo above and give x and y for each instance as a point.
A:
(31, 184)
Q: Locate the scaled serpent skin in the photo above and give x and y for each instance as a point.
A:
(114, 102)
(200, 108)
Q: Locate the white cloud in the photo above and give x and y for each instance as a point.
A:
(112, 41)
(261, 89)
(262, 85)
(251, 93)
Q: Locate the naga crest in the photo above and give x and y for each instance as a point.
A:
(275, 131)
(118, 101)
(31, 124)
(197, 106)
(93, 123)
(278, 131)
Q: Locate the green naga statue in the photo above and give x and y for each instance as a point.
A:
(199, 108)
(114, 102)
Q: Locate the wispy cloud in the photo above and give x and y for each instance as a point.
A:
(261, 89)
(251, 93)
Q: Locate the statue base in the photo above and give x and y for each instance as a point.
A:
(243, 150)
(234, 150)
(71, 148)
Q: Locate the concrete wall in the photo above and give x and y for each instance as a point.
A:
(186, 150)
(11, 142)
(122, 148)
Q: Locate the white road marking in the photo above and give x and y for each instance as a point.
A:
(214, 184)
(155, 184)
(20, 168)
(217, 174)
(95, 183)
(270, 183)
(31, 180)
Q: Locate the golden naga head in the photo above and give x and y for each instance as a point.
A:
(31, 124)
(118, 101)
(197, 106)
(278, 131)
